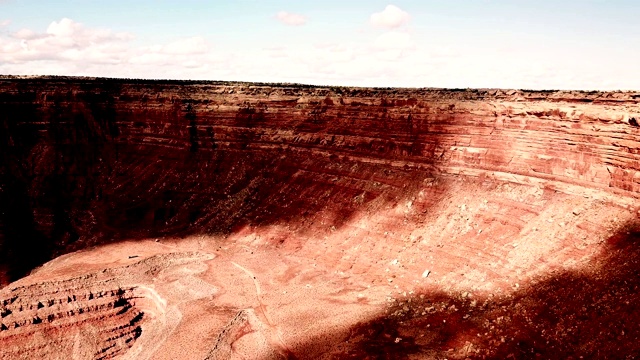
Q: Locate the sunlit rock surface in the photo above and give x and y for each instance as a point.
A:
(219, 220)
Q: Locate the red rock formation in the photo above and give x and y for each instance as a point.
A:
(320, 173)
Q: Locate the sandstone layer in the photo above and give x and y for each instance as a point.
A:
(233, 220)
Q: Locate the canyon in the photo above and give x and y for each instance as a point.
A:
(221, 220)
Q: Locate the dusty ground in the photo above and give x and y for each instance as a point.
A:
(489, 270)
(215, 220)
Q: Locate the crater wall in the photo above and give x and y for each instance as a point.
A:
(86, 161)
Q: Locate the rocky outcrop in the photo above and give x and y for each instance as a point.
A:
(85, 161)
(68, 321)
(98, 315)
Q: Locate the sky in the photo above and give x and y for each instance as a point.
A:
(541, 44)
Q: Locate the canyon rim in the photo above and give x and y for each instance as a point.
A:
(223, 220)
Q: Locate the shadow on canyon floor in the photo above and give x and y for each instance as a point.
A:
(72, 178)
(588, 313)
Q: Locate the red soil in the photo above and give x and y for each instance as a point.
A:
(246, 221)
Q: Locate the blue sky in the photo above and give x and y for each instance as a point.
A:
(589, 44)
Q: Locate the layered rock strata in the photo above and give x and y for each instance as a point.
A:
(94, 160)
(243, 220)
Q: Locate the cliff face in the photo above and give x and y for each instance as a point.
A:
(86, 161)
(281, 221)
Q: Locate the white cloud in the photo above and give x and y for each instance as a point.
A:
(291, 19)
(26, 34)
(64, 40)
(396, 57)
(82, 36)
(71, 48)
(5, 22)
(65, 28)
(65, 48)
(391, 17)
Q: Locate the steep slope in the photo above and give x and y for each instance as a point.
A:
(304, 197)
